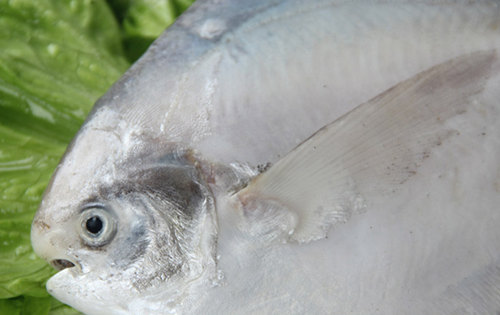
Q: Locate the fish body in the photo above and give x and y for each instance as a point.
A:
(273, 157)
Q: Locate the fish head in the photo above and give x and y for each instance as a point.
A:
(125, 217)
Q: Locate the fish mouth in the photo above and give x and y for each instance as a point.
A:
(61, 264)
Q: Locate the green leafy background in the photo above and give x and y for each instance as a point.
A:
(56, 58)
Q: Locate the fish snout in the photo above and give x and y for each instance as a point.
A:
(51, 245)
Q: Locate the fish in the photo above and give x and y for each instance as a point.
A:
(285, 156)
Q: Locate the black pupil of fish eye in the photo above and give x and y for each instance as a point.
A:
(94, 225)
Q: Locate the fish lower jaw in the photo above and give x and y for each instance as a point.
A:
(71, 287)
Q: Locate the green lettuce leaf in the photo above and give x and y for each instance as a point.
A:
(144, 20)
(57, 58)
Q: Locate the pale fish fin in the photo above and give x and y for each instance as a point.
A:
(374, 148)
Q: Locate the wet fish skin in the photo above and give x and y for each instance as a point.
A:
(165, 149)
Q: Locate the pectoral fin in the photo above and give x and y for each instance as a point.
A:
(374, 148)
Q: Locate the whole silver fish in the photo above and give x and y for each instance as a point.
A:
(294, 157)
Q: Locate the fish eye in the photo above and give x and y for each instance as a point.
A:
(97, 226)
(94, 224)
